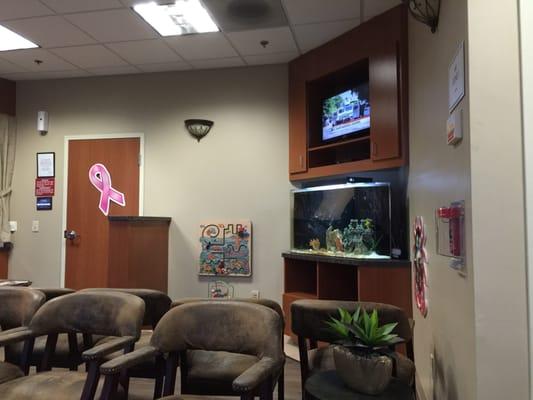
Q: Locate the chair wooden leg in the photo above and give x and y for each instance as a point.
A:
(91, 382)
(304, 363)
(110, 387)
(281, 384)
(247, 396)
(25, 358)
(170, 374)
(266, 392)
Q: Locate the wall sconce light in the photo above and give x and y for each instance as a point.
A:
(198, 127)
(425, 11)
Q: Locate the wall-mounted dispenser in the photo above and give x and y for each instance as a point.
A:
(451, 239)
(42, 122)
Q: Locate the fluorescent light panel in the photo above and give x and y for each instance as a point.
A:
(10, 40)
(180, 18)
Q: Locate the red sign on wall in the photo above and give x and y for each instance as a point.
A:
(45, 186)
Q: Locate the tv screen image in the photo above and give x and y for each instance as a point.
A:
(346, 113)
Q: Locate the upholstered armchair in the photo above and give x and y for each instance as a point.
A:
(156, 305)
(308, 323)
(197, 361)
(68, 348)
(248, 334)
(18, 307)
(104, 313)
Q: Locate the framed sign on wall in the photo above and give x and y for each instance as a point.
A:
(46, 165)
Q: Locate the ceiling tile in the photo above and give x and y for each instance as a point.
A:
(175, 66)
(113, 25)
(371, 8)
(24, 76)
(6, 67)
(310, 11)
(128, 69)
(12, 9)
(26, 59)
(233, 16)
(218, 63)
(249, 42)
(94, 56)
(145, 52)
(313, 35)
(51, 31)
(277, 58)
(202, 46)
(72, 6)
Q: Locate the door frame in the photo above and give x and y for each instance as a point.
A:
(67, 140)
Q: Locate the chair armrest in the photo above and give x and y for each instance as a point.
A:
(256, 374)
(108, 347)
(128, 360)
(15, 335)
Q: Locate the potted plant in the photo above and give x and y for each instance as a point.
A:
(362, 353)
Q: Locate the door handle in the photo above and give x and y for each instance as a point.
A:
(70, 235)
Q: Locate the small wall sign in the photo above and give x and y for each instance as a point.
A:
(44, 203)
(456, 78)
(45, 187)
(100, 178)
(46, 165)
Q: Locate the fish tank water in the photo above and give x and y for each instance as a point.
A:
(348, 220)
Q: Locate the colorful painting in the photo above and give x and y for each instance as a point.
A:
(226, 249)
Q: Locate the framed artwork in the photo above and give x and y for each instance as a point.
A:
(46, 165)
(226, 248)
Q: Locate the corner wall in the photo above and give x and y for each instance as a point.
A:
(238, 171)
(438, 175)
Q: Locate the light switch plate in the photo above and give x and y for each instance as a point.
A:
(13, 226)
(35, 226)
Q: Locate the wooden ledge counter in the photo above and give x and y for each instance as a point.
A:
(315, 276)
(138, 252)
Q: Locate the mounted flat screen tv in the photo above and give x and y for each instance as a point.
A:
(346, 114)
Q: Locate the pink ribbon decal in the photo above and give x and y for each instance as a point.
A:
(100, 177)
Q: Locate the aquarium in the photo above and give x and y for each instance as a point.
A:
(350, 220)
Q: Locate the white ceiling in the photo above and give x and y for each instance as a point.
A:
(106, 37)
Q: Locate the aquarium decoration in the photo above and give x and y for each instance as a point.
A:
(220, 290)
(226, 248)
(351, 220)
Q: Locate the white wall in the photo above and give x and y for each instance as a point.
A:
(438, 175)
(238, 171)
(498, 213)
(526, 49)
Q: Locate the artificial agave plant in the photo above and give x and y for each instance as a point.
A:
(362, 333)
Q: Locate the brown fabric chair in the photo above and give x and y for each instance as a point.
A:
(252, 333)
(68, 348)
(156, 305)
(18, 307)
(308, 323)
(105, 313)
(197, 363)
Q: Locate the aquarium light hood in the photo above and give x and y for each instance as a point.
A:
(341, 186)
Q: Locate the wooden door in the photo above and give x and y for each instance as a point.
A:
(87, 227)
(384, 91)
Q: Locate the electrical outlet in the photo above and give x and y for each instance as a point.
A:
(254, 294)
(35, 226)
(13, 226)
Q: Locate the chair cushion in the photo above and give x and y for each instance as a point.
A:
(9, 371)
(57, 385)
(321, 359)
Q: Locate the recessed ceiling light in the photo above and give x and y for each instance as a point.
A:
(180, 18)
(10, 40)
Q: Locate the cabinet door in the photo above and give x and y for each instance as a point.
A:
(297, 121)
(384, 103)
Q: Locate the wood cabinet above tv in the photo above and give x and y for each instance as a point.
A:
(376, 50)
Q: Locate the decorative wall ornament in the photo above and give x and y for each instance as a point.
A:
(425, 11)
(226, 248)
(198, 127)
(420, 261)
(220, 290)
(100, 178)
